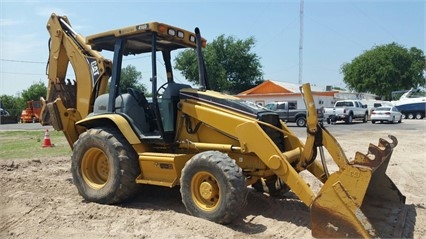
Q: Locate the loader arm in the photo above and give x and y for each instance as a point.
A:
(66, 101)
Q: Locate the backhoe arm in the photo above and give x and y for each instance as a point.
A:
(67, 102)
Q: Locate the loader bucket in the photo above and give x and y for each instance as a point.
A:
(359, 200)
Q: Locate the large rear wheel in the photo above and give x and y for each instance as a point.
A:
(104, 166)
(213, 187)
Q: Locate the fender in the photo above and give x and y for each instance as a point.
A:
(112, 119)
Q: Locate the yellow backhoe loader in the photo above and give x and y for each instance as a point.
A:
(212, 145)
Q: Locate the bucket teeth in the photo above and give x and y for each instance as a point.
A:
(376, 154)
(383, 142)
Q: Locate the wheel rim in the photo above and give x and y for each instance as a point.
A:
(95, 168)
(411, 116)
(301, 122)
(418, 116)
(205, 191)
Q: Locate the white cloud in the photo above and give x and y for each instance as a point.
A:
(47, 11)
(9, 22)
(12, 49)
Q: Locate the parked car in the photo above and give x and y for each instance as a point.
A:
(288, 112)
(6, 118)
(386, 114)
(346, 110)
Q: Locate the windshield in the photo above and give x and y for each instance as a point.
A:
(270, 106)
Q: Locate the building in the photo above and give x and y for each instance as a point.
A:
(273, 91)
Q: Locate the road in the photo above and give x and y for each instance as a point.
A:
(340, 129)
(337, 129)
(27, 126)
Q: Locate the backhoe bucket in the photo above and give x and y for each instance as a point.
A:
(359, 200)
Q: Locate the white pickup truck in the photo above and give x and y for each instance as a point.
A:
(346, 110)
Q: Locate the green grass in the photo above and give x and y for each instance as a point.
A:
(28, 145)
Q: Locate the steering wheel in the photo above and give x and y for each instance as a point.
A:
(161, 90)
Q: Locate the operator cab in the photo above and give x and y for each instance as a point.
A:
(156, 121)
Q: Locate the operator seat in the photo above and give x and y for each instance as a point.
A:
(143, 102)
(124, 104)
(168, 106)
(139, 97)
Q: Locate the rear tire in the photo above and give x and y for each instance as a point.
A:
(410, 116)
(419, 116)
(213, 187)
(301, 121)
(349, 119)
(104, 166)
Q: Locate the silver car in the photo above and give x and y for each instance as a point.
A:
(386, 114)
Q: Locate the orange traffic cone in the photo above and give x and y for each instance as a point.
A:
(46, 141)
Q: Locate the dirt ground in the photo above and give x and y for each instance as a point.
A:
(39, 200)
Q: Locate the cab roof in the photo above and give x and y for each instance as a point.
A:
(139, 37)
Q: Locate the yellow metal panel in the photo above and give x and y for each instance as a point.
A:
(118, 120)
(161, 169)
(218, 118)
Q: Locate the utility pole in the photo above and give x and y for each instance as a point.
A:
(301, 44)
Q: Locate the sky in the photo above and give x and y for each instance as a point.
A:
(334, 32)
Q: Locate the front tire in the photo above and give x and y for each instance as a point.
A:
(349, 119)
(104, 166)
(213, 187)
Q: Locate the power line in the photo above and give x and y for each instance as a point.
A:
(21, 73)
(22, 61)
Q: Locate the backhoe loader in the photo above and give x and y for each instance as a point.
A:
(213, 146)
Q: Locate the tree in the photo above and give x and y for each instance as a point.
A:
(34, 92)
(384, 69)
(231, 67)
(16, 104)
(129, 79)
(12, 104)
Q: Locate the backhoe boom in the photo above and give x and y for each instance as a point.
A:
(74, 96)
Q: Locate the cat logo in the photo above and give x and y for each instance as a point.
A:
(95, 68)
